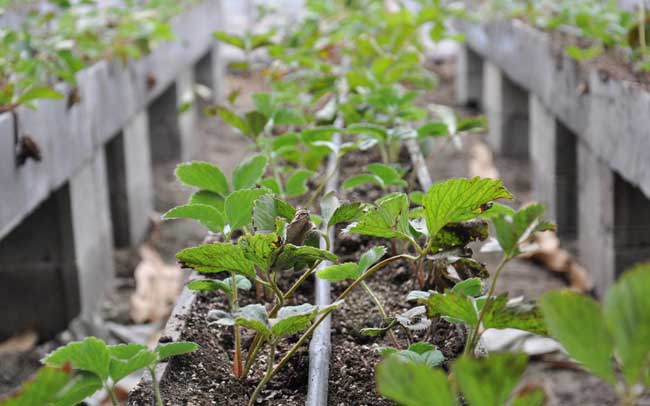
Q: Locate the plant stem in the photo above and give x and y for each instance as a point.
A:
(322, 184)
(473, 336)
(382, 311)
(267, 376)
(156, 386)
(237, 367)
(111, 394)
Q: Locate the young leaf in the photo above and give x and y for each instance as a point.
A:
(267, 209)
(296, 184)
(340, 272)
(361, 179)
(218, 257)
(168, 350)
(454, 306)
(627, 312)
(239, 207)
(298, 257)
(459, 199)
(208, 198)
(471, 287)
(272, 184)
(346, 212)
(249, 172)
(211, 218)
(128, 358)
(82, 386)
(435, 129)
(577, 322)
(512, 231)
(370, 257)
(38, 92)
(389, 219)
(489, 381)
(260, 249)
(371, 129)
(255, 318)
(234, 120)
(293, 319)
(90, 355)
(413, 384)
(288, 117)
(501, 314)
(231, 39)
(204, 176)
(212, 285)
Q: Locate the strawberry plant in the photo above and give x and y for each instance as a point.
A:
(77, 370)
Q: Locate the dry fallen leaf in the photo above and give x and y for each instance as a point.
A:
(157, 286)
(481, 162)
(19, 343)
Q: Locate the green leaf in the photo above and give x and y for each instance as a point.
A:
(512, 230)
(328, 205)
(267, 209)
(371, 129)
(413, 384)
(532, 397)
(239, 207)
(249, 172)
(340, 272)
(264, 103)
(370, 257)
(299, 257)
(82, 386)
(208, 198)
(454, 306)
(489, 381)
(471, 287)
(231, 39)
(254, 317)
(260, 249)
(361, 179)
(288, 117)
(212, 285)
(45, 387)
(90, 355)
(211, 218)
(500, 314)
(436, 129)
(459, 199)
(39, 92)
(389, 175)
(296, 184)
(234, 120)
(218, 257)
(293, 319)
(577, 322)
(128, 358)
(346, 212)
(627, 312)
(472, 124)
(204, 176)
(168, 350)
(272, 184)
(583, 54)
(389, 219)
(256, 122)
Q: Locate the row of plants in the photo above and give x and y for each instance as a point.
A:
(604, 24)
(355, 68)
(59, 38)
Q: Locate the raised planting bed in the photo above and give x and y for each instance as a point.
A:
(583, 125)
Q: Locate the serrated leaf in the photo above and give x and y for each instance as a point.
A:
(413, 384)
(128, 358)
(298, 257)
(249, 172)
(346, 212)
(489, 381)
(293, 319)
(203, 175)
(90, 355)
(266, 211)
(500, 314)
(208, 198)
(254, 317)
(454, 306)
(577, 322)
(389, 219)
(435, 129)
(218, 257)
(512, 231)
(296, 184)
(168, 350)
(208, 216)
(340, 272)
(458, 200)
(627, 312)
(472, 287)
(361, 179)
(260, 249)
(417, 197)
(239, 207)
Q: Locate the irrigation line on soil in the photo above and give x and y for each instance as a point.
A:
(320, 346)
